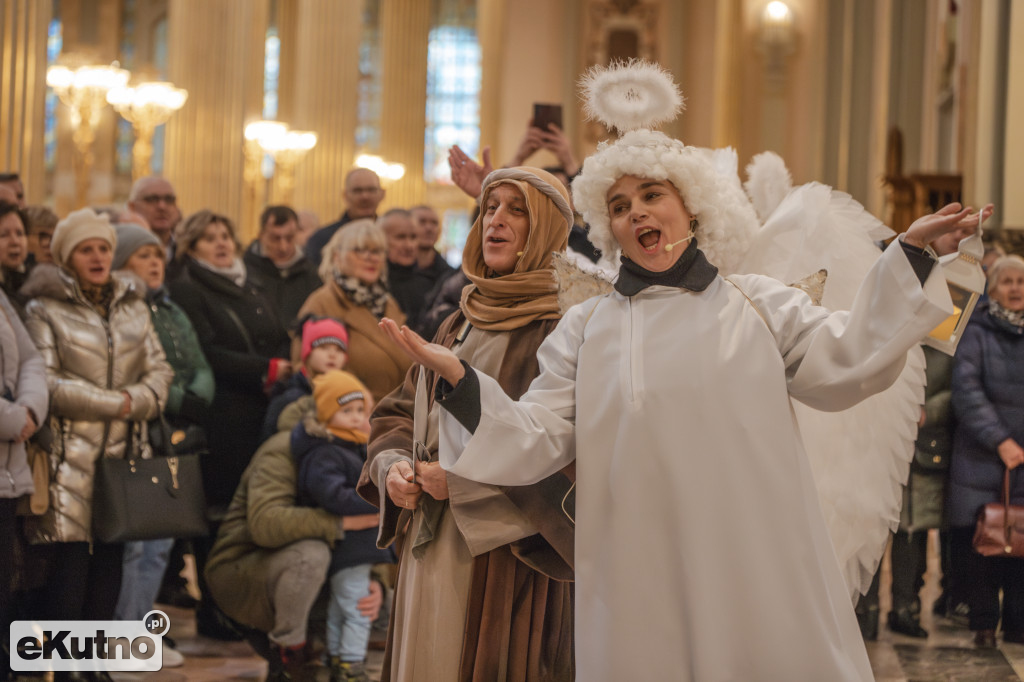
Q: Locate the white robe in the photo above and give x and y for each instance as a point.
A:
(701, 550)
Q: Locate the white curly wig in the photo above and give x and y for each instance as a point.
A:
(714, 197)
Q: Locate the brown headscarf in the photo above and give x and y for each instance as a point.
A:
(530, 292)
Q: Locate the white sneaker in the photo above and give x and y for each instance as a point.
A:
(172, 659)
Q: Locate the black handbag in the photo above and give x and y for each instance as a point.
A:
(148, 499)
(185, 438)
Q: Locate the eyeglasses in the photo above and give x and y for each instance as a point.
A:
(157, 198)
(369, 253)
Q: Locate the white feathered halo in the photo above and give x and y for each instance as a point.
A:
(630, 97)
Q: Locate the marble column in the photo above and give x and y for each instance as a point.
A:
(405, 25)
(490, 15)
(23, 25)
(319, 86)
(727, 85)
(215, 51)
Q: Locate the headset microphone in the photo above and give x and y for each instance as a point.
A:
(669, 247)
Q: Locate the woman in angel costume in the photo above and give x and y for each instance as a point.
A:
(673, 395)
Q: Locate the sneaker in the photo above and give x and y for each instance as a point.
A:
(348, 671)
(172, 658)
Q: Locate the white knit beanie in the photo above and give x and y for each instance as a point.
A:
(76, 228)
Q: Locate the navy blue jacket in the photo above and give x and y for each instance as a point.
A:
(988, 385)
(296, 387)
(328, 469)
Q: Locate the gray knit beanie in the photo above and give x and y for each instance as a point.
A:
(131, 238)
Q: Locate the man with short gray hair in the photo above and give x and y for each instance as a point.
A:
(155, 200)
(363, 195)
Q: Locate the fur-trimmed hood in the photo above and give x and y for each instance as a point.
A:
(50, 281)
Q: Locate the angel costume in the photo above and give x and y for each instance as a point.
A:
(691, 469)
(673, 396)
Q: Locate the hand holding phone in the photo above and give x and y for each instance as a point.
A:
(544, 114)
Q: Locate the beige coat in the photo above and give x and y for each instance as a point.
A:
(90, 361)
(371, 356)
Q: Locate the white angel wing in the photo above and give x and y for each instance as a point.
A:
(860, 457)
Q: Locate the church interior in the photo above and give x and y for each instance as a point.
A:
(903, 104)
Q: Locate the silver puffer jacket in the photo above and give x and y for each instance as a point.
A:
(90, 361)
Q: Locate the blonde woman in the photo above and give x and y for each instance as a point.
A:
(354, 272)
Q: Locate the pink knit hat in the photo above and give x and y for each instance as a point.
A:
(317, 332)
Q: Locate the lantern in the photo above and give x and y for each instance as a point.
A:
(966, 281)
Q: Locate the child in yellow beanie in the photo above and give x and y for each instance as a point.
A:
(330, 450)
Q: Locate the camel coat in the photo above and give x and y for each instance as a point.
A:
(371, 356)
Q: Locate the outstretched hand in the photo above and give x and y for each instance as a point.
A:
(432, 356)
(950, 217)
(467, 174)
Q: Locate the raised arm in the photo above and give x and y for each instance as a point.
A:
(501, 441)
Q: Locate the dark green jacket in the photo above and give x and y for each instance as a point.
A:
(192, 389)
(926, 488)
(262, 519)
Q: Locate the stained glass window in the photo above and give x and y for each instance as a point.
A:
(271, 73)
(160, 63)
(453, 96)
(54, 43)
(271, 78)
(368, 112)
(125, 134)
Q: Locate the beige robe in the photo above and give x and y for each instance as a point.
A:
(466, 608)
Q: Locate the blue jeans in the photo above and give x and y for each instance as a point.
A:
(348, 631)
(142, 572)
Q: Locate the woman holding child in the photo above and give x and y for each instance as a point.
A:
(484, 589)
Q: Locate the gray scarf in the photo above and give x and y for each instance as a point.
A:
(236, 273)
(1000, 313)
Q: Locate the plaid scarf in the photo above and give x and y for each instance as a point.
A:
(373, 296)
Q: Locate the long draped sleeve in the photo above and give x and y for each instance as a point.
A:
(542, 423)
(831, 361)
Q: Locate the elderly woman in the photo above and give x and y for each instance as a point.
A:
(483, 583)
(354, 292)
(672, 395)
(246, 345)
(106, 373)
(988, 377)
(22, 408)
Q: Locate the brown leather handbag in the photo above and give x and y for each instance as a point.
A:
(1000, 527)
